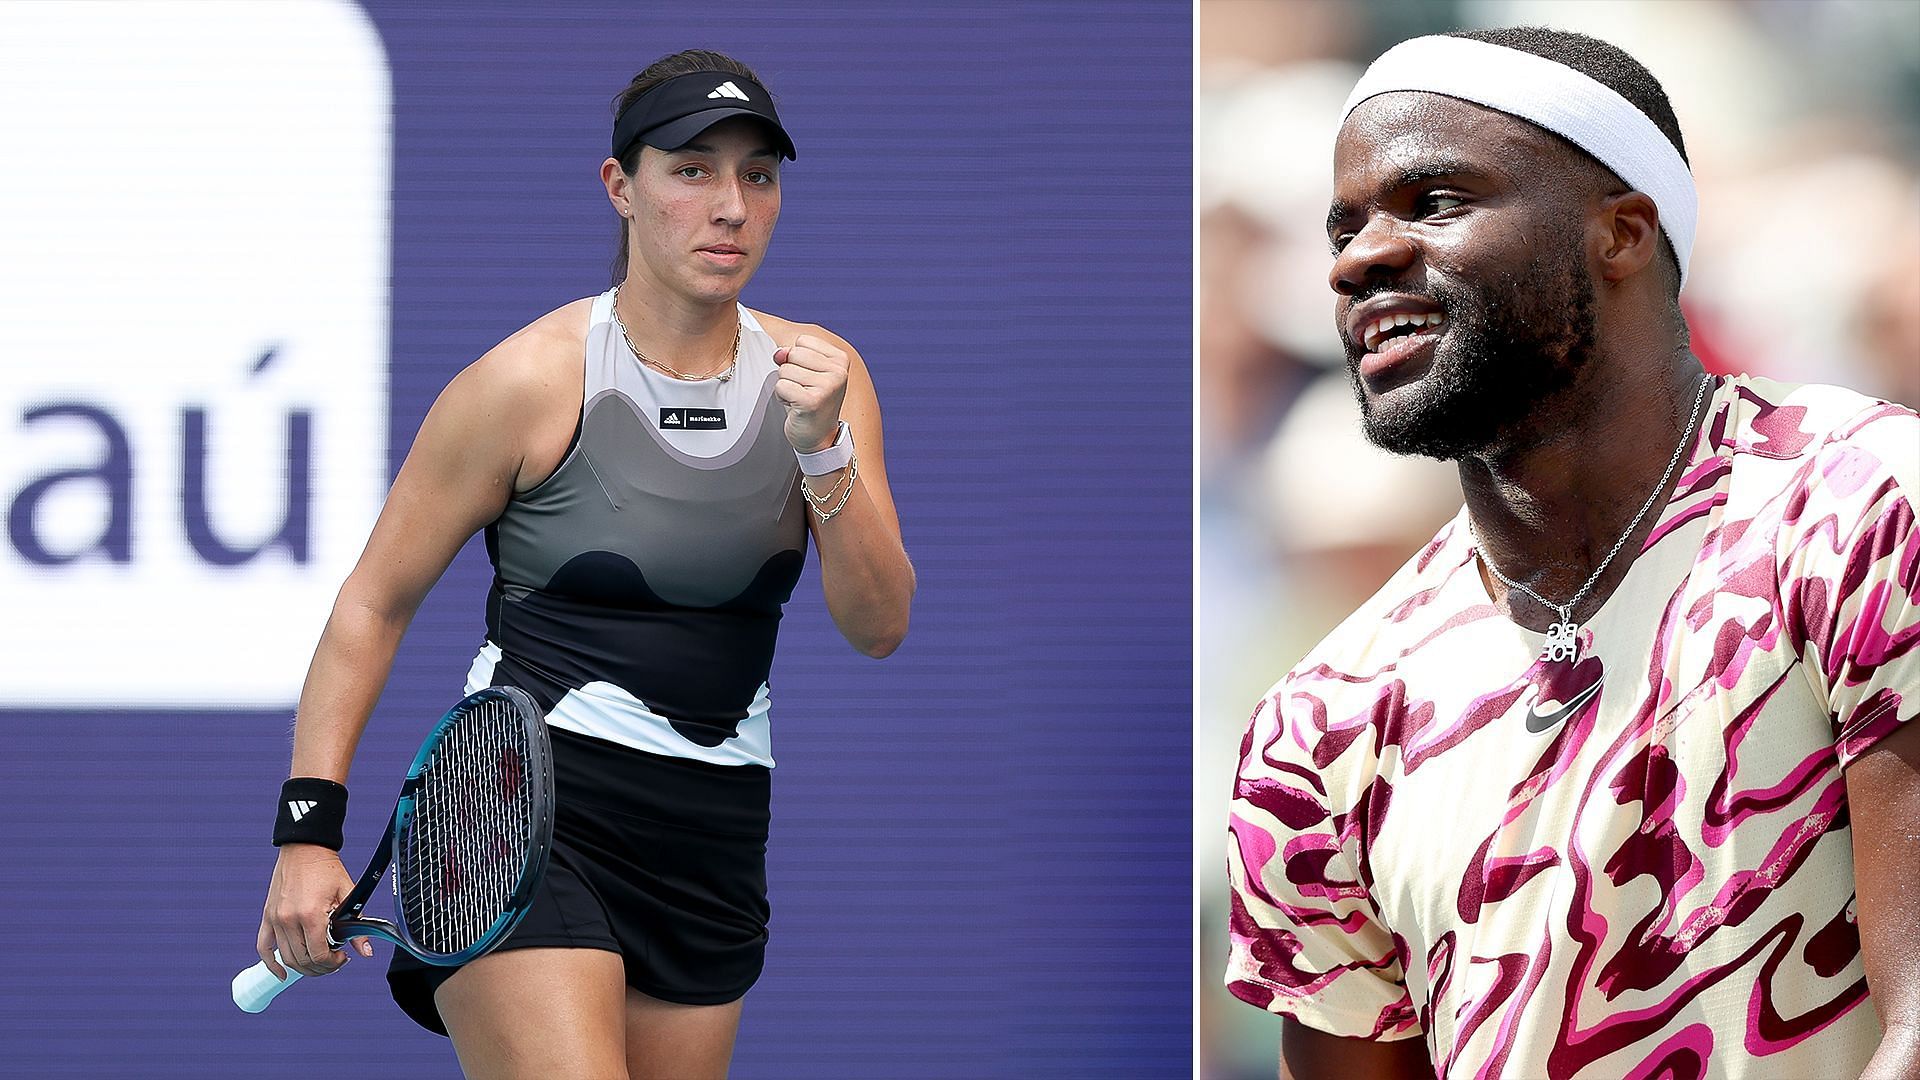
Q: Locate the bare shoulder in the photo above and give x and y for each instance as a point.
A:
(522, 397)
(786, 331)
(540, 360)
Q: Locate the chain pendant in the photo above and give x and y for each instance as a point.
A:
(1560, 641)
(1562, 637)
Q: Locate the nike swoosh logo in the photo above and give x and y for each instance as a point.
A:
(1538, 721)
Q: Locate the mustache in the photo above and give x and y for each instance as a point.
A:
(1436, 296)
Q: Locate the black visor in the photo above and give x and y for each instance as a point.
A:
(668, 116)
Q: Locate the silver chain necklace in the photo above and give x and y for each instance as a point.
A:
(721, 376)
(1562, 636)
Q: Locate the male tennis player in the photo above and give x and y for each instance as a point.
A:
(1614, 778)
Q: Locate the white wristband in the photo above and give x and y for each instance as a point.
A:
(833, 458)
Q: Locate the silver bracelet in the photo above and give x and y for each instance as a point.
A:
(815, 502)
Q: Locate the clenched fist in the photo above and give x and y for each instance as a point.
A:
(813, 383)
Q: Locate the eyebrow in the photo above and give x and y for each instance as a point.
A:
(703, 148)
(1340, 210)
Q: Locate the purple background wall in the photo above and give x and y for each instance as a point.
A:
(980, 852)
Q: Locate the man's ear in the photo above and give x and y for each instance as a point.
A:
(1629, 229)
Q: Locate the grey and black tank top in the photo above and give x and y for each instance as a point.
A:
(637, 591)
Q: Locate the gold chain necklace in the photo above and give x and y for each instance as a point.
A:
(721, 376)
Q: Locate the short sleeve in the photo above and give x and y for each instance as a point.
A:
(1850, 577)
(1306, 939)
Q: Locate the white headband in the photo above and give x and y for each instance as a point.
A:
(1566, 102)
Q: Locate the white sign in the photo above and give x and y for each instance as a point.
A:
(194, 253)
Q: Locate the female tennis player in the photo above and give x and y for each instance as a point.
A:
(647, 465)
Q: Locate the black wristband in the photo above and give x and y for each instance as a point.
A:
(312, 811)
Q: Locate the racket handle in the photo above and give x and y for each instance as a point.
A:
(255, 988)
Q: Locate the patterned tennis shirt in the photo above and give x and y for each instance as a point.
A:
(1657, 883)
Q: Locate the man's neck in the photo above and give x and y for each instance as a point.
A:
(1551, 502)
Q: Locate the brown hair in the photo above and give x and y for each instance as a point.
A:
(684, 62)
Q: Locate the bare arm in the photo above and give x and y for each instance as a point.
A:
(462, 469)
(1307, 1054)
(1883, 798)
(457, 477)
(863, 566)
(864, 571)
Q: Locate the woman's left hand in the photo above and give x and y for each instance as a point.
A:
(813, 383)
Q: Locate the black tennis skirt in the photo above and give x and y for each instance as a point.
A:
(660, 859)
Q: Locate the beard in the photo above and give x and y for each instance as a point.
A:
(1509, 345)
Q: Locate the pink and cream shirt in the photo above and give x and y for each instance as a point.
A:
(1657, 882)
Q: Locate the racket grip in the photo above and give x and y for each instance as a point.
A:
(255, 988)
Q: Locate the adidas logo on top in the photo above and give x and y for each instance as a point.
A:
(300, 808)
(727, 89)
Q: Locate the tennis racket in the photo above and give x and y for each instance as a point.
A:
(468, 841)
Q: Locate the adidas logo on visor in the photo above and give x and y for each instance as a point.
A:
(728, 90)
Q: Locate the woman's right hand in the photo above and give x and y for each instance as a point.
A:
(308, 883)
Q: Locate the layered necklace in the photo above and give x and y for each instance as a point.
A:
(1563, 636)
(722, 376)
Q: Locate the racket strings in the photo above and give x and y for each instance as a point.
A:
(468, 840)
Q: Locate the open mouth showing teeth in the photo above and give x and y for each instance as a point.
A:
(1391, 326)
